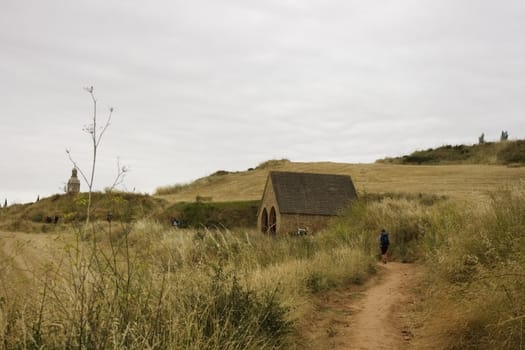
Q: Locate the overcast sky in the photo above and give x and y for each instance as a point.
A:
(204, 85)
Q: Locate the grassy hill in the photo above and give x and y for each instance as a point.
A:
(231, 198)
(458, 180)
(124, 207)
(494, 153)
(38, 216)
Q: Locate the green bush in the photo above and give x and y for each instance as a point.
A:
(38, 217)
(514, 152)
(214, 214)
(507, 152)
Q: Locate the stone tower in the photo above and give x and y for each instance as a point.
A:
(73, 185)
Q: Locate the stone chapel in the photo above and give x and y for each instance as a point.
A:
(73, 185)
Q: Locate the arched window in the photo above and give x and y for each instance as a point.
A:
(264, 221)
(272, 222)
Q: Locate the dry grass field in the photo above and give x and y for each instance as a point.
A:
(455, 181)
(142, 284)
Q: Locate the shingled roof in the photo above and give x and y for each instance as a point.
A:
(312, 194)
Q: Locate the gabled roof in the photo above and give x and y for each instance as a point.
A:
(312, 194)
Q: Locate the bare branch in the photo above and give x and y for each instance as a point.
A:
(90, 90)
(77, 167)
(512, 319)
(121, 174)
(108, 122)
(96, 138)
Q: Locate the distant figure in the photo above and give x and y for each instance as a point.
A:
(56, 219)
(384, 242)
(5, 203)
(38, 198)
(175, 223)
(481, 139)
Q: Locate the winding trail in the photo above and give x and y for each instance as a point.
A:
(381, 321)
(375, 316)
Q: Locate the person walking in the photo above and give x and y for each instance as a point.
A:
(384, 242)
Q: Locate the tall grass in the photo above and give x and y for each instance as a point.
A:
(477, 260)
(144, 286)
(404, 217)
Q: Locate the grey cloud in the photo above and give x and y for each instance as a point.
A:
(203, 85)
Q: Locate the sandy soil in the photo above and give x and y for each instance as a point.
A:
(381, 321)
(375, 316)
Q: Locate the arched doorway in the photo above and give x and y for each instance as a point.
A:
(272, 222)
(264, 221)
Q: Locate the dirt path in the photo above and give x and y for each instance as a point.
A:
(20, 253)
(375, 316)
(381, 321)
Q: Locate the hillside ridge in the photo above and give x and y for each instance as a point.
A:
(249, 184)
(491, 153)
(454, 180)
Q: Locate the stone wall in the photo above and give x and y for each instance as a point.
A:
(289, 223)
(268, 202)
